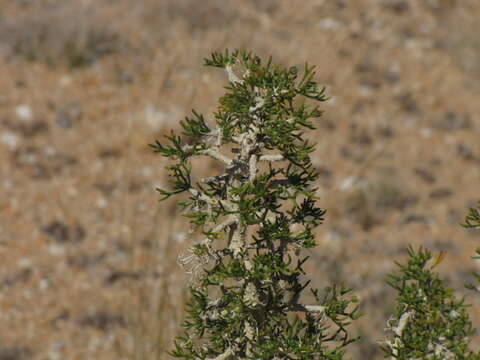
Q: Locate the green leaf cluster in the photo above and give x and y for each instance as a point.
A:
(429, 321)
(472, 221)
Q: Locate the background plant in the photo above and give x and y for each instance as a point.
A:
(472, 221)
(429, 321)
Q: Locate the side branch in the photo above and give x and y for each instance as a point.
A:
(398, 330)
(211, 201)
(307, 308)
(231, 75)
(273, 157)
(217, 155)
(223, 356)
(231, 220)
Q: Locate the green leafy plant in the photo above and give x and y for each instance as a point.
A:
(472, 221)
(255, 217)
(247, 297)
(429, 321)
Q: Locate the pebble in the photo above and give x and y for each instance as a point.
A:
(348, 182)
(426, 133)
(57, 250)
(25, 263)
(24, 112)
(102, 203)
(11, 140)
(157, 118)
(329, 24)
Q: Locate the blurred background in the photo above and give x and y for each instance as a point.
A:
(88, 253)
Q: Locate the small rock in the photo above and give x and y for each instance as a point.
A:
(10, 140)
(329, 24)
(25, 262)
(20, 276)
(407, 102)
(7, 184)
(327, 124)
(42, 163)
(360, 136)
(68, 116)
(63, 233)
(368, 77)
(65, 81)
(103, 320)
(63, 316)
(385, 131)
(56, 250)
(180, 237)
(24, 112)
(105, 188)
(398, 6)
(324, 173)
(440, 193)
(64, 120)
(110, 153)
(116, 276)
(451, 121)
(435, 244)
(157, 118)
(44, 284)
(425, 175)
(390, 196)
(27, 128)
(426, 133)
(436, 162)
(392, 75)
(415, 218)
(101, 203)
(84, 261)
(465, 152)
(348, 182)
(135, 187)
(345, 152)
(33, 128)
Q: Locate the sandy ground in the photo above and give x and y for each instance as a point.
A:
(89, 255)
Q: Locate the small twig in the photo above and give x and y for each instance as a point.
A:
(214, 153)
(231, 75)
(272, 157)
(223, 356)
(307, 308)
(398, 330)
(230, 221)
(212, 201)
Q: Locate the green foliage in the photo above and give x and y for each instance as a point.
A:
(472, 221)
(429, 321)
(245, 300)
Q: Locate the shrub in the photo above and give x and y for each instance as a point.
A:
(247, 295)
(429, 322)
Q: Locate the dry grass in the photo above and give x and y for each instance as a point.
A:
(63, 33)
(90, 255)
